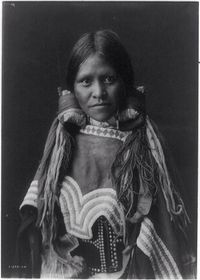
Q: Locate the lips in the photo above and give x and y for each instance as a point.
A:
(100, 105)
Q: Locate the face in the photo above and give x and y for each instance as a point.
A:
(98, 88)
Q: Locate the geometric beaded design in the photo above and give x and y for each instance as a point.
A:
(80, 211)
(108, 251)
(31, 195)
(153, 247)
(105, 132)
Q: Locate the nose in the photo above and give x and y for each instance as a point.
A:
(99, 90)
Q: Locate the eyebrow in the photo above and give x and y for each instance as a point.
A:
(107, 72)
(83, 76)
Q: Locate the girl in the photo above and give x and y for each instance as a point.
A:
(102, 203)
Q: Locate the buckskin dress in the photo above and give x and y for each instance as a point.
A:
(95, 240)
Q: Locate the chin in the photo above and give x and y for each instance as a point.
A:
(101, 114)
(101, 118)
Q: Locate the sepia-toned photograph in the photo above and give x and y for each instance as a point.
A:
(99, 140)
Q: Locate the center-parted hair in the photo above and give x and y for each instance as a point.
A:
(140, 160)
(107, 44)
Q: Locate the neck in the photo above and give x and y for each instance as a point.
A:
(101, 124)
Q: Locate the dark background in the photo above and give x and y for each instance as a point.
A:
(162, 39)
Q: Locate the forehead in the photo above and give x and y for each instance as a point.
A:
(95, 64)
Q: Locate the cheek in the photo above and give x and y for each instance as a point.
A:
(80, 96)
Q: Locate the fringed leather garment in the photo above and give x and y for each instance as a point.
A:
(102, 203)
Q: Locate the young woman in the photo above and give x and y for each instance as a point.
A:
(102, 203)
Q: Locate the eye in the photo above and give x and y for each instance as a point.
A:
(85, 82)
(109, 79)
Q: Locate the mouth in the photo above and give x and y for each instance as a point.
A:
(100, 105)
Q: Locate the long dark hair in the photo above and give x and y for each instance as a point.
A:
(106, 43)
(59, 145)
(137, 147)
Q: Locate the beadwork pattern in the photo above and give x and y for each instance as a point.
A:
(81, 211)
(105, 132)
(108, 248)
(31, 195)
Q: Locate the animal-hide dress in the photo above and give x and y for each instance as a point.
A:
(95, 239)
